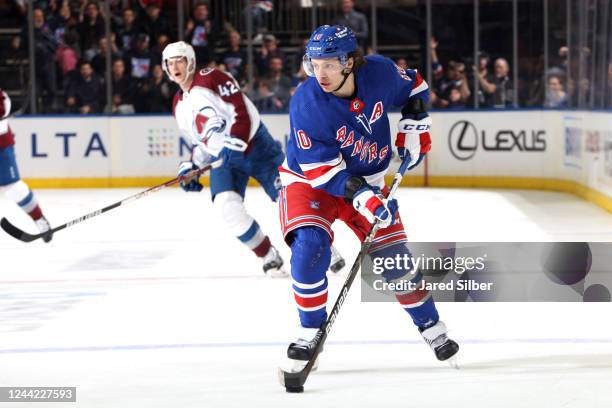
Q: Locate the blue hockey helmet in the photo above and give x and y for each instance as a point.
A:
(329, 41)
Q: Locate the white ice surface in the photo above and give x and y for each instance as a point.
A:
(155, 304)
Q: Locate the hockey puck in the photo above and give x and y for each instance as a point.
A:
(297, 389)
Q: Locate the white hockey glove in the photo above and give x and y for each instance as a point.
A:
(413, 139)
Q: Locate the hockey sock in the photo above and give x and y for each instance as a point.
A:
(255, 240)
(417, 302)
(310, 257)
(20, 193)
(230, 207)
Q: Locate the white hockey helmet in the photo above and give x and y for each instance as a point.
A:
(7, 104)
(179, 49)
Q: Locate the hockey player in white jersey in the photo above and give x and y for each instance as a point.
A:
(10, 182)
(223, 124)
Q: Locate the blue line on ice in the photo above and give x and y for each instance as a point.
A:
(279, 344)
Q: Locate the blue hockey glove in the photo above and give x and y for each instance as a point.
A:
(192, 184)
(371, 204)
(233, 151)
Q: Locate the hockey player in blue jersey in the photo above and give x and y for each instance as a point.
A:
(337, 156)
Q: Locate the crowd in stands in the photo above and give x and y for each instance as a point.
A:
(71, 48)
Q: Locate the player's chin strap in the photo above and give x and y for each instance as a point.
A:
(346, 72)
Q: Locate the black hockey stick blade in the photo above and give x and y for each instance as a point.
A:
(19, 234)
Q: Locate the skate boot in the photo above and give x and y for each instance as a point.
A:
(43, 226)
(302, 349)
(273, 264)
(442, 346)
(337, 261)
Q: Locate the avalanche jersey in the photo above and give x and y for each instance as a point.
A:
(6, 136)
(334, 138)
(212, 93)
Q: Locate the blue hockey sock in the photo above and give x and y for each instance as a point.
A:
(310, 257)
(418, 302)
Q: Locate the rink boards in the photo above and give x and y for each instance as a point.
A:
(567, 151)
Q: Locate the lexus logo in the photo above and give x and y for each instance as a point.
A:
(463, 140)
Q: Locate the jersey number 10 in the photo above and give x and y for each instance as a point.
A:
(303, 140)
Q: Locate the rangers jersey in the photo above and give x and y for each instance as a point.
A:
(333, 138)
(215, 93)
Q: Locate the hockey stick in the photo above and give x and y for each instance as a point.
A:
(27, 237)
(294, 381)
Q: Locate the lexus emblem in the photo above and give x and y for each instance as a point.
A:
(463, 140)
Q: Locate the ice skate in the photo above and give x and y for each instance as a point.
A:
(302, 349)
(337, 261)
(44, 226)
(444, 348)
(273, 264)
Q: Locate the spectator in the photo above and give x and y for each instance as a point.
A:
(279, 83)
(455, 100)
(44, 51)
(298, 79)
(259, 10)
(66, 54)
(497, 88)
(436, 67)
(98, 63)
(139, 61)
(199, 32)
(356, 21)
(158, 49)
(157, 92)
(123, 89)
(483, 71)
(454, 78)
(153, 23)
(402, 63)
(86, 94)
(91, 26)
(265, 100)
(268, 51)
(60, 21)
(555, 95)
(235, 58)
(141, 5)
(126, 32)
(298, 57)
